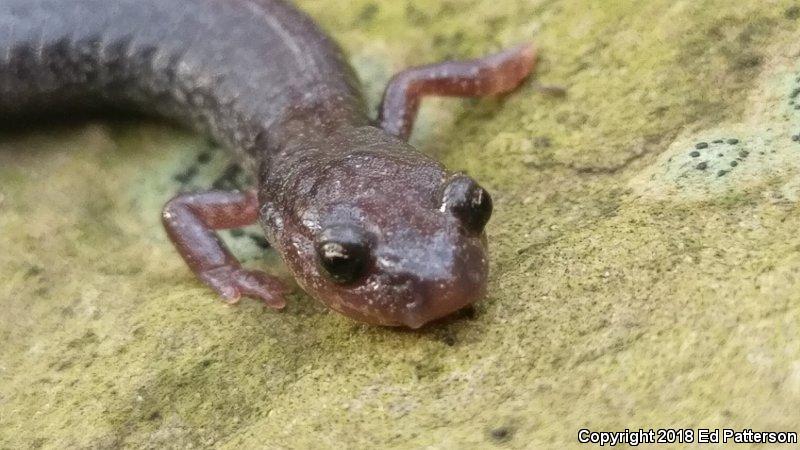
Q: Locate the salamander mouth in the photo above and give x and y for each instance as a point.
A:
(414, 302)
(440, 305)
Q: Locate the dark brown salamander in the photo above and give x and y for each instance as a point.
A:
(368, 225)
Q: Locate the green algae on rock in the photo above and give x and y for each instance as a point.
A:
(764, 150)
(616, 299)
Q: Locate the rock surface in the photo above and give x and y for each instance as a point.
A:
(635, 283)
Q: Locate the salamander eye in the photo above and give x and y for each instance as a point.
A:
(467, 200)
(343, 253)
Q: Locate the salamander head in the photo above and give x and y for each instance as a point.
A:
(388, 238)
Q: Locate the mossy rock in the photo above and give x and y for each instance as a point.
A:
(629, 288)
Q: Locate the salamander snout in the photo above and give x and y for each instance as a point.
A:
(452, 271)
(414, 264)
(425, 295)
(410, 284)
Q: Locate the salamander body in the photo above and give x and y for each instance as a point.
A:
(367, 224)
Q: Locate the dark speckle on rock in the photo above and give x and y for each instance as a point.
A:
(734, 163)
(230, 178)
(542, 142)
(694, 154)
(448, 339)
(796, 138)
(702, 166)
(186, 176)
(368, 12)
(717, 141)
(237, 232)
(259, 240)
(204, 158)
(748, 60)
(744, 154)
(720, 155)
(733, 141)
(415, 15)
(500, 434)
(701, 145)
(33, 271)
(722, 173)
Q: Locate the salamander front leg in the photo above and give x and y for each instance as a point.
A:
(494, 74)
(191, 219)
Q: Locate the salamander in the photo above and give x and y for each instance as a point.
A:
(367, 224)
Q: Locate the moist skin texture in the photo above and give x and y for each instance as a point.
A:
(368, 225)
